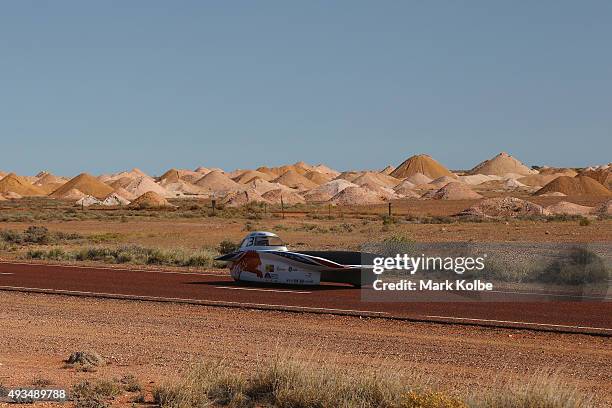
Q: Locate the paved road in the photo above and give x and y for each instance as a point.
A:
(216, 289)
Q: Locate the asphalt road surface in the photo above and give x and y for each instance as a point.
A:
(587, 315)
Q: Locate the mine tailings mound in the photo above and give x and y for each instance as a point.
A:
(573, 186)
(423, 164)
(567, 208)
(453, 191)
(502, 164)
(150, 199)
(503, 208)
(12, 183)
(85, 183)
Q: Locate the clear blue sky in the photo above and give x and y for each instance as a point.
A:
(101, 86)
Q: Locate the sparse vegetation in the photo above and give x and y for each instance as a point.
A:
(129, 254)
(37, 235)
(228, 246)
(85, 361)
(130, 383)
(41, 382)
(577, 266)
(288, 383)
(94, 394)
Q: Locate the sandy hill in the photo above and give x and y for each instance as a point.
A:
(386, 193)
(423, 164)
(218, 182)
(170, 176)
(565, 207)
(49, 178)
(293, 179)
(132, 174)
(143, 184)
(150, 199)
(349, 175)
(602, 175)
(202, 170)
(317, 177)
(559, 171)
(356, 196)
(120, 182)
(500, 165)
(404, 185)
(174, 175)
(373, 179)
(269, 171)
(453, 191)
(475, 179)
(73, 195)
(85, 183)
(405, 191)
(291, 167)
(115, 200)
(504, 207)
(321, 168)
(288, 197)
(242, 197)
(16, 184)
(388, 170)
(604, 208)
(182, 187)
(418, 179)
(326, 191)
(573, 186)
(263, 186)
(538, 179)
(248, 175)
(120, 191)
(442, 181)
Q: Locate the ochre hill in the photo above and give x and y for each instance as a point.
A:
(85, 183)
(423, 164)
(573, 186)
(12, 183)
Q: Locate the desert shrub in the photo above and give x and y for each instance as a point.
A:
(344, 227)
(577, 266)
(37, 235)
(87, 394)
(388, 219)
(85, 358)
(228, 246)
(41, 382)
(130, 254)
(584, 222)
(543, 390)
(282, 382)
(130, 383)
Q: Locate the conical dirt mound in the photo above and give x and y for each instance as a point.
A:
(150, 199)
(504, 207)
(12, 183)
(574, 186)
(453, 191)
(293, 179)
(500, 165)
(423, 164)
(85, 183)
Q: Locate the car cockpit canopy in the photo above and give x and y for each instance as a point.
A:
(262, 240)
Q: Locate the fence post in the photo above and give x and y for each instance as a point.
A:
(282, 207)
(389, 208)
(213, 203)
